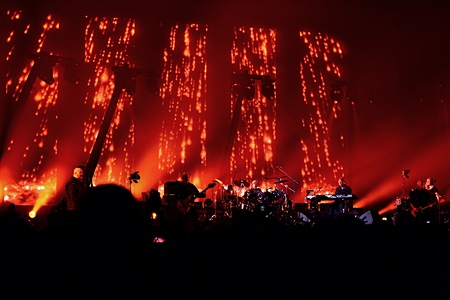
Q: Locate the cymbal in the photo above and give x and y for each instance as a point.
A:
(217, 180)
(241, 182)
(281, 181)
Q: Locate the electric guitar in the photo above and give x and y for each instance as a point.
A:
(416, 211)
(184, 205)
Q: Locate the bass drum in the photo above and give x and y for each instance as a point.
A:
(277, 194)
(272, 195)
(253, 196)
(267, 197)
(263, 209)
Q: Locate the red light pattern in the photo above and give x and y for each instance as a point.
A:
(318, 68)
(31, 146)
(183, 132)
(108, 42)
(253, 49)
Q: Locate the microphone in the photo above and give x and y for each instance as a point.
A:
(405, 173)
(278, 167)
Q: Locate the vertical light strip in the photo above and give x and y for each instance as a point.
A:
(108, 43)
(37, 181)
(253, 49)
(318, 68)
(183, 132)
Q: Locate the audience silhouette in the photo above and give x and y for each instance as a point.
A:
(110, 253)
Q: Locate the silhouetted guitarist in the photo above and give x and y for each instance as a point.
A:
(186, 193)
(423, 203)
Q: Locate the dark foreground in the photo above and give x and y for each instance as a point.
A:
(108, 252)
(229, 261)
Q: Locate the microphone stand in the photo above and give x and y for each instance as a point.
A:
(214, 216)
(293, 180)
(405, 173)
(403, 186)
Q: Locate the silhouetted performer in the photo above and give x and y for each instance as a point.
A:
(343, 189)
(75, 188)
(431, 211)
(185, 195)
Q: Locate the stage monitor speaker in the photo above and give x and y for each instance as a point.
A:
(303, 217)
(170, 187)
(369, 217)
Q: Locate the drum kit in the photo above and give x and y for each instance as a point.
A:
(267, 200)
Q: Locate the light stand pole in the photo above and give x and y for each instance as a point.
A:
(42, 68)
(125, 79)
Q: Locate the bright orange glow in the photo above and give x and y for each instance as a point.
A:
(107, 43)
(319, 168)
(254, 50)
(176, 140)
(27, 154)
(184, 130)
(32, 214)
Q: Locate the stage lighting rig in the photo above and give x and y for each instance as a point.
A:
(45, 62)
(126, 77)
(134, 177)
(336, 93)
(243, 85)
(350, 90)
(267, 87)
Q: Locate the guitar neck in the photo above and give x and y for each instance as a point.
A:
(212, 184)
(193, 196)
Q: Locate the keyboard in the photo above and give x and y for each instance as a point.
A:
(330, 197)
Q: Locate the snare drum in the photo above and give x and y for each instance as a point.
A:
(243, 204)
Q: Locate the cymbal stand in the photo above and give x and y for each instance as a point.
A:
(238, 193)
(214, 216)
(293, 180)
(286, 211)
(229, 203)
(403, 186)
(405, 173)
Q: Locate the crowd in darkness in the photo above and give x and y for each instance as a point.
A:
(108, 251)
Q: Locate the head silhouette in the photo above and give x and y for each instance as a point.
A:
(109, 214)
